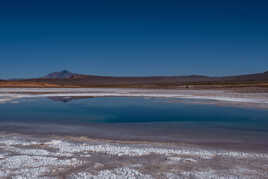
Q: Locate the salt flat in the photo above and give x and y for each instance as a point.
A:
(76, 157)
(9, 94)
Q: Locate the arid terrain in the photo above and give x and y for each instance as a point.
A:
(65, 79)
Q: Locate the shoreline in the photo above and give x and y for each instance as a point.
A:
(259, 100)
(199, 136)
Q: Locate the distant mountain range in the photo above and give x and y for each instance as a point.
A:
(68, 79)
(65, 75)
(60, 75)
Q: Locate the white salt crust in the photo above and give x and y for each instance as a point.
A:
(21, 158)
(119, 173)
(11, 94)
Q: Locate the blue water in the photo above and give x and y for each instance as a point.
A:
(126, 117)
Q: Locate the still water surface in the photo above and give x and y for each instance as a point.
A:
(137, 118)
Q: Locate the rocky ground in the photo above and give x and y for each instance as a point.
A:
(24, 156)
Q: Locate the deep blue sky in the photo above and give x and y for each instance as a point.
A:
(133, 37)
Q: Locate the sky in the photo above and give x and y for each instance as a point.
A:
(133, 37)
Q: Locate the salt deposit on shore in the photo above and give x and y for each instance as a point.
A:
(50, 157)
(9, 94)
(118, 173)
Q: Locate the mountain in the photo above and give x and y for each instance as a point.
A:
(247, 77)
(60, 75)
(68, 79)
(67, 76)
